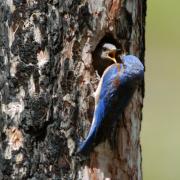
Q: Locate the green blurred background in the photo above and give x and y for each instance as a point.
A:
(160, 135)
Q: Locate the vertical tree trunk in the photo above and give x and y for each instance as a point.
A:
(47, 80)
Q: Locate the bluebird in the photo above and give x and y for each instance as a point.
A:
(114, 92)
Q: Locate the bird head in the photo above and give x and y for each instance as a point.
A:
(109, 52)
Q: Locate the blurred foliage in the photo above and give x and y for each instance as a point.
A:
(160, 135)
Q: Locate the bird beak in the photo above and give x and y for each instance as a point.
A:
(118, 51)
(112, 54)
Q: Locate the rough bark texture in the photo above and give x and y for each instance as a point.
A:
(47, 81)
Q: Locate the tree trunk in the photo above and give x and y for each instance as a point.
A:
(47, 81)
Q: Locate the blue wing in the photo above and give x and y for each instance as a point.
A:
(108, 90)
(118, 85)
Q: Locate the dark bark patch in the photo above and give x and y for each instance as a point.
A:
(124, 27)
(84, 17)
(34, 117)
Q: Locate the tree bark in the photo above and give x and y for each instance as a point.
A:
(47, 81)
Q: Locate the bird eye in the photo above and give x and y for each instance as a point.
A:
(104, 48)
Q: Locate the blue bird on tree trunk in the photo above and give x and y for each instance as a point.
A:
(114, 92)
